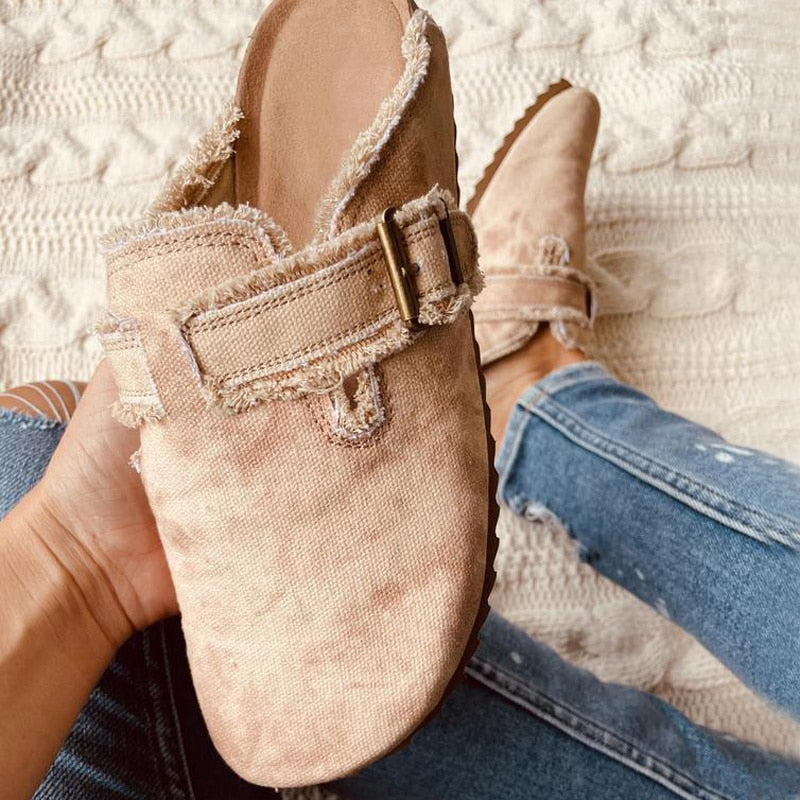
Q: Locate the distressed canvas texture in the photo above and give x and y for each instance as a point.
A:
(693, 224)
(304, 555)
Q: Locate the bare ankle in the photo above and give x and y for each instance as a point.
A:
(55, 400)
(546, 354)
(508, 378)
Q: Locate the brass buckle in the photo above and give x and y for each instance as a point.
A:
(399, 270)
(446, 229)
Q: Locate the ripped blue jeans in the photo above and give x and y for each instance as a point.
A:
(703, 531)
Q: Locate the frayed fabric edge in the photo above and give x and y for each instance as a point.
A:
(134, 415)
(191, 181)
(309, 260)
(198, 172)
(330, 375)
(178, 202)
(356, 419)
(368, 146)
(171, 221)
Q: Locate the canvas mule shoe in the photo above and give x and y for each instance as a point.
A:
(528, 213)
(289, 328)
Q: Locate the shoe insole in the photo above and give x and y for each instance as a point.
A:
(314, 76)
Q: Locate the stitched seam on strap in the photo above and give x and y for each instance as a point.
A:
(205, 240)
(252, 375)
(309, 281)
(427, 225)
(386, 320)
(349, 271)
(267, 305)
(319, 366)
(249, 308)
(129, 340)
(593, 734)
(383, 321)
(297, 266)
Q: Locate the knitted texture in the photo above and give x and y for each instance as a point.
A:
(693, 223)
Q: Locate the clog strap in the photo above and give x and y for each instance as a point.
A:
(562, 294)
(548, 290)
(139, 399)
(302, 325)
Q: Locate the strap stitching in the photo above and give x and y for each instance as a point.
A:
(205, 240)
(114, 347)
(364, 326)
(245, 378)
(350, 271)
(238, 315)
(130, 340)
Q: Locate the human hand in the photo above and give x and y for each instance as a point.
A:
(81, 569)
(92, 497)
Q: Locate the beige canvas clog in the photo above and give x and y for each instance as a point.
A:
(290, 330)
(528, 213)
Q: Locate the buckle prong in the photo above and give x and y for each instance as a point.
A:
(399, 269)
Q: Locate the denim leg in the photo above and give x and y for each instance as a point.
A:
(701, 530)
(525, 725)
(705, 532)
(26, 444)
(126, 742)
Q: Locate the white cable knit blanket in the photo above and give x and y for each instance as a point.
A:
(694, 235)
